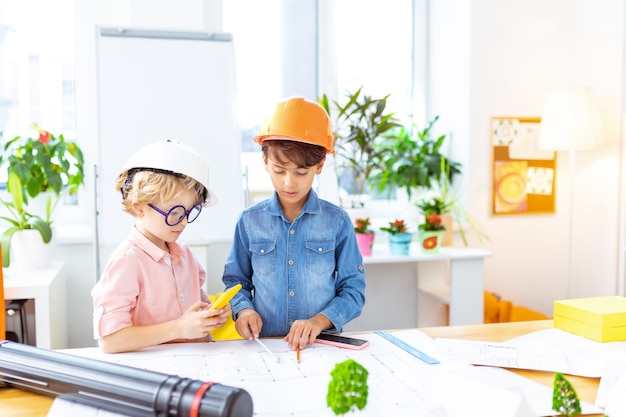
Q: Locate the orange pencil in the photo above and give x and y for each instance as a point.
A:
(298, 354)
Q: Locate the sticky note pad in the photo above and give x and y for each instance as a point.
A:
(602, 319)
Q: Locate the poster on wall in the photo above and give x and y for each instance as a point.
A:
(523, 176)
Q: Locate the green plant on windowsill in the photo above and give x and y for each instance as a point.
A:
(19, 219)
(44, 163)
(413, 160)
(360, 123)
(451, 204)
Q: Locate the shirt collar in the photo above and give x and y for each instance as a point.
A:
(151, 249)
(311, 205)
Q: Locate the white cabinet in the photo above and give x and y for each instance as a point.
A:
(46, 287)
(397, 285)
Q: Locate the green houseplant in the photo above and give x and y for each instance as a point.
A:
(44, 163)
(414, 160)
(360, 122)
(19, 219)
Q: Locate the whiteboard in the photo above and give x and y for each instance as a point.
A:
(155, 85)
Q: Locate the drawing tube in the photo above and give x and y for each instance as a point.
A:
(117, 388)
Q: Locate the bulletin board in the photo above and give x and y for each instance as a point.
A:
(523, 178)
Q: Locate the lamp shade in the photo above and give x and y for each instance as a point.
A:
(570, 120)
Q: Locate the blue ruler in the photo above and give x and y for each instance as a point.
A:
(405, 346)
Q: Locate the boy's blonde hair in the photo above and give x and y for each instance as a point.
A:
(145, 187)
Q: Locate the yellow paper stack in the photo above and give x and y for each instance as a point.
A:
(602, 319)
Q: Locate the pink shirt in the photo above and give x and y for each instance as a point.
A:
(143, 285)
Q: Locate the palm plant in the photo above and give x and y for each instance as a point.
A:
(360, 125)
(414, 159)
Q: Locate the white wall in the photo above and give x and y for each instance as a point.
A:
(488, 58)
(519, 50)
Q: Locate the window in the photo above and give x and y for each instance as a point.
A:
(368, 42)
(37, 70)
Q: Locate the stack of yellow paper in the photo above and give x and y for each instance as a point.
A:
(602, 319)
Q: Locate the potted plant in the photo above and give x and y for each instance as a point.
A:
(430, 230)
(399, 237)
(452, 211)
(414, 160)
(22, 221)
(360, 123)
(45, 164)
(364, 235)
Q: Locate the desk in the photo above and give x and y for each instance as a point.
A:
(399, 284)
(17, 403)
(46, 287)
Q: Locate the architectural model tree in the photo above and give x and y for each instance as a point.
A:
(348, 387)
(564, 398)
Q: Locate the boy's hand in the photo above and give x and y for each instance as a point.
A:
(198, 320)
(304, 332)
(248, 324)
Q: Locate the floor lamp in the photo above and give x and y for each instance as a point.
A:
(570, 122)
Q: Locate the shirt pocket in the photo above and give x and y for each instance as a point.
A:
(320, 256)
(263, 256)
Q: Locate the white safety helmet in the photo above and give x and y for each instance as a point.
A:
(172, 158)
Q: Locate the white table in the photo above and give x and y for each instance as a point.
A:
(46, 287)
(454, 278)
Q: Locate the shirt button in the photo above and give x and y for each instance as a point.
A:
(361, 267)
(290, 322)
(262, 251)
(320, 250)
(291, 232)
(291, 293)
(290, 262)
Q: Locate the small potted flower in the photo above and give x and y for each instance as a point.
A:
(364, 235)
(431, 229)
(399, 237)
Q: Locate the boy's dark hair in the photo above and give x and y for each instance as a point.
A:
(304, 155)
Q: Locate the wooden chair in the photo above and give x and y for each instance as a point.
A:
(501, 311)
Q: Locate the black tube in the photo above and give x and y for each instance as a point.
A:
(117, 388)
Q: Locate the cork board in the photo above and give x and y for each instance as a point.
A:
(523, 178)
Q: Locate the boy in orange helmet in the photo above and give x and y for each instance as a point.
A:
(295, 254)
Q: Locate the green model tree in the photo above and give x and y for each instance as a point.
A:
(348, 387)
(564, 398)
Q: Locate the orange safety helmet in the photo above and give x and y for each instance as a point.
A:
(300, 120)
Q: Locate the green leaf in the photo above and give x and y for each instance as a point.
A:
(5, 241)
(14, 186)
(44, 228)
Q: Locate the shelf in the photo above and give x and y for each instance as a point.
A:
(441, 294)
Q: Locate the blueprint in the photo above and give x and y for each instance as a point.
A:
(399, 383)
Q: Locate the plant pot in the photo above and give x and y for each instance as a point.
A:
(429, 241)
(37, 205)
(29, 252)
(447, 237)
(365, 241)
(400, 243)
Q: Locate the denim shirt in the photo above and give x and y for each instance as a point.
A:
(295, 270)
